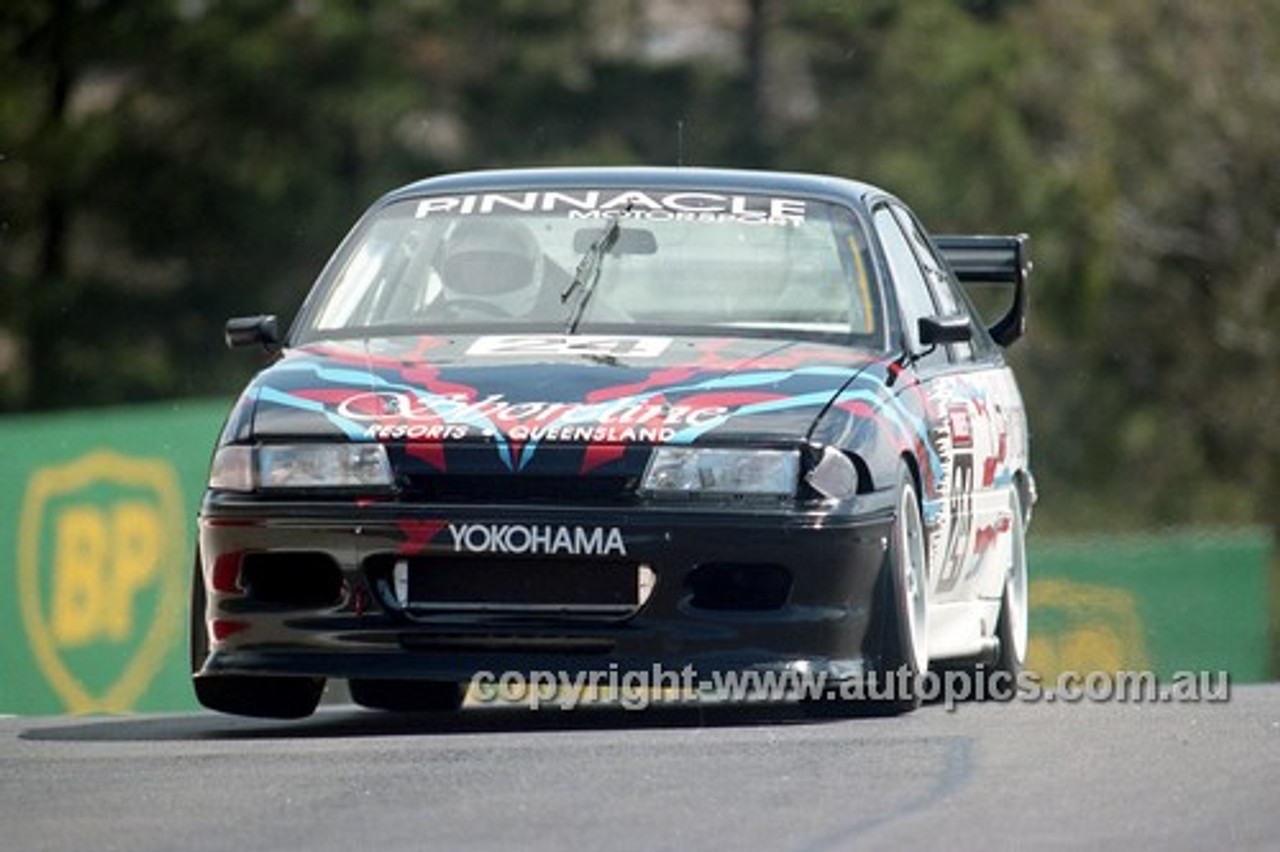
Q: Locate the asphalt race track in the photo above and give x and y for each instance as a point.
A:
(984, 777)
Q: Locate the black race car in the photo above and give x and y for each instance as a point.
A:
(634, 420)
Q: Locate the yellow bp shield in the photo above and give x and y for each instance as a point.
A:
(101, 549)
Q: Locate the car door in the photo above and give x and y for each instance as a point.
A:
(955, 405)
(974, 393)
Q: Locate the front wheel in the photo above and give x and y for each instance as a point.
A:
(897, 651)
(198, 644)
(1012, 625)
(904, 602)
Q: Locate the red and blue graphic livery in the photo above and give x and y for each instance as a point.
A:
(576, 419)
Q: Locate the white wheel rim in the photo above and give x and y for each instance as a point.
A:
(914, 579)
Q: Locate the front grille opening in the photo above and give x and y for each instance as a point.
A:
(515, 583)
(295, 579)
(734, 586)
(444, 585)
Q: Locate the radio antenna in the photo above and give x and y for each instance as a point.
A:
(679, 141)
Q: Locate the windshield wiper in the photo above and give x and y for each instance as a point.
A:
(587, 275)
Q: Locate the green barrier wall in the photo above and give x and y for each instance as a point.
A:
(1182, 601)
(97, 516)
(96, 522)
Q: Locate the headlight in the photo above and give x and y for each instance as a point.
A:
(680, 470)
(300, 466)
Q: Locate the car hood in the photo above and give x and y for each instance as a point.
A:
(532, 389)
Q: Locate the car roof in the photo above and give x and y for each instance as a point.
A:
(639, 177)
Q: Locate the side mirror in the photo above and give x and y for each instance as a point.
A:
(938, 330)
(253, 331)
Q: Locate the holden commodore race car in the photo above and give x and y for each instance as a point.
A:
(624, 419)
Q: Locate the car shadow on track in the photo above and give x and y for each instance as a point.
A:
(351, 721)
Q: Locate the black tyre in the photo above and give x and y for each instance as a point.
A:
(198, 642)
(904, 606)
(1012, 624)
(898, 639)
(407, 696)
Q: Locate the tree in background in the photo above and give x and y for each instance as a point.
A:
(1157, 117)
(166, 164)
(1134, 143)
(169, 163)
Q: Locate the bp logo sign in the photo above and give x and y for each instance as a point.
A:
(100, 543)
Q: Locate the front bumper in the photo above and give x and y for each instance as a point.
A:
(713, 600)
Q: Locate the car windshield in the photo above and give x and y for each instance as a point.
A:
(577, 260)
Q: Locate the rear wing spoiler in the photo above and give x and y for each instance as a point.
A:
(993, 260)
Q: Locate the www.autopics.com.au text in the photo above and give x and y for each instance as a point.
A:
(643, 688)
